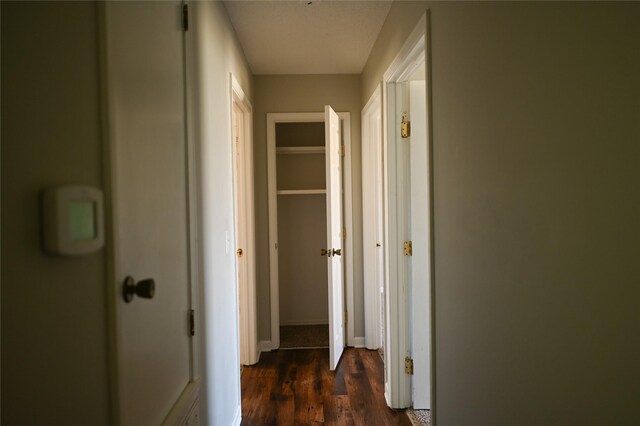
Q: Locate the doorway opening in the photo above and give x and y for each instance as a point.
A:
(408, 224)
(300, 182)
(302, 232)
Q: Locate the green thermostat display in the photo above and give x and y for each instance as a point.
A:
(82, 220)
(73, 220)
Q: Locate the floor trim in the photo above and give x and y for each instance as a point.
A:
(358, 342)
(264, 346)
(238, 417)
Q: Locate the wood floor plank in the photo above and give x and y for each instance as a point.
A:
(295, 387)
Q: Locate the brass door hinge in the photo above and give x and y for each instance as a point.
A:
(342, 150)
(405, 127)
(344, 233)
(408, 365)
(346, 317)
(185, 17)
(192, 322)
(408, 248)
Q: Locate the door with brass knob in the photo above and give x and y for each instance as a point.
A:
(152, 360)
(333, 169)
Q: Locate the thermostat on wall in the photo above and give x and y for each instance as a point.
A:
(73, 220)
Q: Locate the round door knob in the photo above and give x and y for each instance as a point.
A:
(325, 252)
(337, 252)
(145, 289)
(239, 252)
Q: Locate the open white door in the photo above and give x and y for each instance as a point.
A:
(241, 234)
(148, 148)
(334, 235)
(244, 222)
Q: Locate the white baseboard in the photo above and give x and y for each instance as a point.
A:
(238, 417)
(185, 406)
(304, 322)
(263, 346)
(358, 342)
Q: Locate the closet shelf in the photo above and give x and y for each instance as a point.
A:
(301, 191)
(300, 150)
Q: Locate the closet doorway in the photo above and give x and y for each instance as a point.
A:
(309, 222)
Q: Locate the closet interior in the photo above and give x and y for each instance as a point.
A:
(302, 224)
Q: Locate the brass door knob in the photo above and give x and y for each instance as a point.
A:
(325, 252)
(239, 252)
(337, 252)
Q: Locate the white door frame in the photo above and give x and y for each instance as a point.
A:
(372, 218)
(307, 117)
(397, 343)
(245, 225)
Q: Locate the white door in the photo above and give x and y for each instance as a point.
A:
(244, 222)
(334, 235)
(240, 220)
(146, 118)
(372, 222)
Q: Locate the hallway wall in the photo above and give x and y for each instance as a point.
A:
(304, 93)
(536, 174)
(54, 319)
(218, 53)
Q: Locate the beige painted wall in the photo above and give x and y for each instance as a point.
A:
(308, 93)
(54, 320)
(536, 174)
(218, 54)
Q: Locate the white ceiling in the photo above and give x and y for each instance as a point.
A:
(294, 37)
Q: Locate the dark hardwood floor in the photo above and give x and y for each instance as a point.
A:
(295, 387)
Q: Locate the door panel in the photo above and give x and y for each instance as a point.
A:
(145, 90)
(334, 235)
(372, 237)
(241, 237)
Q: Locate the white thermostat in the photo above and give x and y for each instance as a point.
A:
(73, 220)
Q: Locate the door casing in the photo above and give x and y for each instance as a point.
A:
(414, 53)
